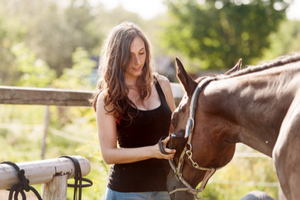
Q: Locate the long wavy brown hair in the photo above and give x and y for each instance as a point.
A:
(114, 59)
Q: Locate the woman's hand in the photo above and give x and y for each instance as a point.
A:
(169, 152)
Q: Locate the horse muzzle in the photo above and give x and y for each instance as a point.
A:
(178, 143)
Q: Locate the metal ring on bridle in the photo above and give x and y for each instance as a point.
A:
(191, 126)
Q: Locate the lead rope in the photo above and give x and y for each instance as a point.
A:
(22, 185)
(78, 179)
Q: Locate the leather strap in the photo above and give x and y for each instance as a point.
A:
(161, 147)
(78, 178)
(22, 185)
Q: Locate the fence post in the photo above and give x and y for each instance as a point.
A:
(281, 196)
(55, 189)
(46, 123)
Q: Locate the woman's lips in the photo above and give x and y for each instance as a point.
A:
(137, 69)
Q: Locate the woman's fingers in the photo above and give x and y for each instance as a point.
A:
(170, 155)
(164, 152)
(165, 141)
(171, 152)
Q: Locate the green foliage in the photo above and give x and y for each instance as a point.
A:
(54, 29)
(35, 72)
(77, 77)
(8, 35)
(71, 131)
(284, 41)
(241, 176)
(21, 132)
(218, 33)
(109, 19)
(54, 32)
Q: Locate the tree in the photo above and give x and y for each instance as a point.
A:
(284, 41)
(10, 32)
(34, 72)
(6, 56)
(77, 77)
(217, 33)
(64, 31)
(54, 32)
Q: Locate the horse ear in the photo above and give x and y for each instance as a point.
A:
(237, 67)
(186, 80)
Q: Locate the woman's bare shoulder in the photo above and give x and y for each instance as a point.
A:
(167, 89)
(101, 103)
(163, 81)
(100, 99)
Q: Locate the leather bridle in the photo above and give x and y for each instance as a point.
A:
(188, 149)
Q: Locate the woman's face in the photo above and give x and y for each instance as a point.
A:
(137, 58)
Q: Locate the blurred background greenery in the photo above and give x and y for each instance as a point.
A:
(56, 44)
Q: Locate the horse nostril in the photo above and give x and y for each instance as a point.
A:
(173, 142)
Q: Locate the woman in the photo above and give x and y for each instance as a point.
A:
(133, 108)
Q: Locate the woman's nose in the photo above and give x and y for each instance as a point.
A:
(137, 60)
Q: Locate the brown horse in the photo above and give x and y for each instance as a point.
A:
(258, 106)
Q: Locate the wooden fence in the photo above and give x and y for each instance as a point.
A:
(53, 173)
(42, 96)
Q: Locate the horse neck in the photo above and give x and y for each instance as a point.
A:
(251, 107)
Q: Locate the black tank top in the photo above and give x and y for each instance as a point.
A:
(146, 129)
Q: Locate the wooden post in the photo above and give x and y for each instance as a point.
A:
(46, 123)
(178, 92)
(56, 189)
(281, 196)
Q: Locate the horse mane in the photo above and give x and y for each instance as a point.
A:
(279, 61)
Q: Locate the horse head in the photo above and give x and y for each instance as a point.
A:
(208, 148)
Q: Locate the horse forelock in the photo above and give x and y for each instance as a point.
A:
(277, 62)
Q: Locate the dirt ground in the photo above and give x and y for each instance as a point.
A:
(4, 195)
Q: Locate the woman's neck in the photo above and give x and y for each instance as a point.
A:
(130, 82)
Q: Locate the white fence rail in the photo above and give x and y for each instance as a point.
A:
(52, 173)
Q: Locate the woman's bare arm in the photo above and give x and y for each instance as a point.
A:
(166, 87)
(107, 135)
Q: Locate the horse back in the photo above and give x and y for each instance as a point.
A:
(254, 103)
